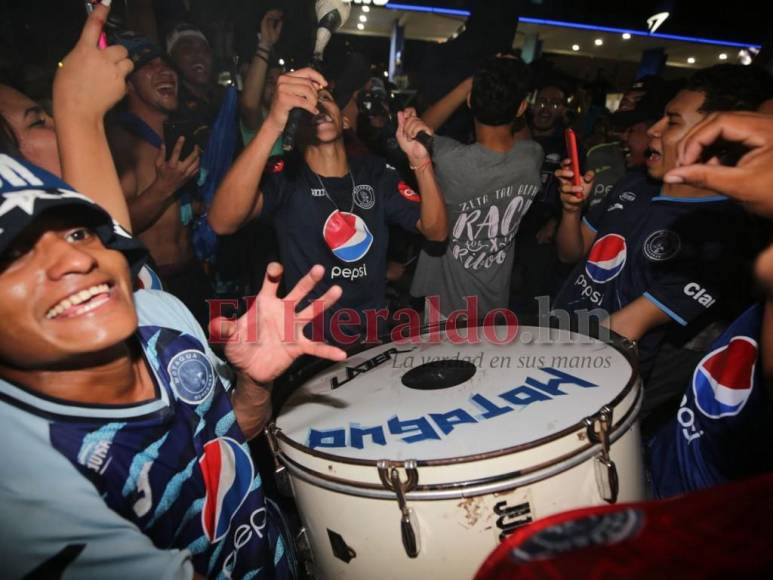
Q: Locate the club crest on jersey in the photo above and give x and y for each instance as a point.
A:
(662, 245)
(364, 196)
(606, 259)
(408, 193)
(347, 235)
(192, 376)
(723, 381)
(228, 473)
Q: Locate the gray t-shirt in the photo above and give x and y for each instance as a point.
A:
(487, 193)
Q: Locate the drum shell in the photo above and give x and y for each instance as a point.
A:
(460, 509)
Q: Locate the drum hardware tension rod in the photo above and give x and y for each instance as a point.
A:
(390, 478)
(598, 428)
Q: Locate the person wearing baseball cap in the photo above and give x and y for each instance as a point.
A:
(116, 413)
(158, 179)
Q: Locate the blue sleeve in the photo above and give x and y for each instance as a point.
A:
(695, 278)
(159, 308)
(593, 218)
(402, 203)
(54, 524)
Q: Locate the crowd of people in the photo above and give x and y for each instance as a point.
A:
(150, 189)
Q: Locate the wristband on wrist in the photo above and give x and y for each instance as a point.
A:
(424, 165)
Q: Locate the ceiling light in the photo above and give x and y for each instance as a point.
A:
(691, 60)
(598, 42)
(575, 47)
(366, 9)
(723, 56)
(363, 18)
(281, 62)
(626, 36)
(386, 73)
(360, 26)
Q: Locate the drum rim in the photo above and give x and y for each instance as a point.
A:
(456, 489)
(624, 346)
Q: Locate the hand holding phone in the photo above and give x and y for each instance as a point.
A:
(194, 133)
(574, 157)
(90, 4)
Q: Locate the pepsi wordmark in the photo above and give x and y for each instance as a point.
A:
(436, 426)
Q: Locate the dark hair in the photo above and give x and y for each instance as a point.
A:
(9, 144)
(731, 87)
(498, 88)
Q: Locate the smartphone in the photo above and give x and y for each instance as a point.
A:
(574, 157)
(102, 43)
(194, 133)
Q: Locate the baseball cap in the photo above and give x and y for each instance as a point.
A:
(27, 192)
(656, 93)
(141, 49)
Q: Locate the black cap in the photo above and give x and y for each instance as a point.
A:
(141, 49)
(650, 106)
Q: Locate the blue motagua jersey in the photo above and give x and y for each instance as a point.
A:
(686, 256)
(722, 430)
(176, 470)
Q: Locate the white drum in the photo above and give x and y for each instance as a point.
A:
(416, 460)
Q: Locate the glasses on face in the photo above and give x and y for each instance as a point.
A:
(544, 104)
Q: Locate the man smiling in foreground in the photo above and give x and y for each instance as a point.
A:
(130, 454)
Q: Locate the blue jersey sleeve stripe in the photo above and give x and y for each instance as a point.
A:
(665, 309)
(587, 223)
(705, 199)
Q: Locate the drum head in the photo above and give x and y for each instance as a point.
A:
(438, 402)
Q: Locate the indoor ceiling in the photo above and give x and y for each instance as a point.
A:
(556, 37)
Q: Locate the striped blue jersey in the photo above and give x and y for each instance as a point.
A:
(176, 469)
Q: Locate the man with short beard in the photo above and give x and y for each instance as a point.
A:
(152, 178)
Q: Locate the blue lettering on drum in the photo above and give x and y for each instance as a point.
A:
(420, 425)
(421, 429)
(447, 421)
(490, 408)
(358, 436)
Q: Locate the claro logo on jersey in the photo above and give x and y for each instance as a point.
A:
(699, 294)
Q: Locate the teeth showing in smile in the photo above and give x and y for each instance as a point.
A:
(78, 298)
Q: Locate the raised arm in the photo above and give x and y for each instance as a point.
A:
(433, 220)
(440, 112)
(238, 198)
(573, 238)
(88, 83)
(251, 98)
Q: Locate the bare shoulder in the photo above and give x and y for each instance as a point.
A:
(123, 146)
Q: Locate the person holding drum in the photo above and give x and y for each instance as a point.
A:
(723, 428)
(661, 269)
(327, 208)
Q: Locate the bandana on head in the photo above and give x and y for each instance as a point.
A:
(181, 31)
(27, 192)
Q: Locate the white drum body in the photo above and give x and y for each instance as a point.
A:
(424, 481)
